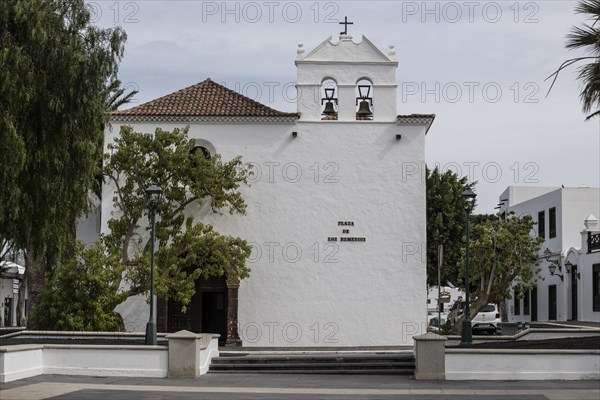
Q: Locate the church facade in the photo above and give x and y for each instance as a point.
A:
(336, 206)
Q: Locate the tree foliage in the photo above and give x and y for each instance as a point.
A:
(54, 69)
(116, 97)
(82, 293)
(504, 258)
(189, 180)
(587, 38)
(446, 224)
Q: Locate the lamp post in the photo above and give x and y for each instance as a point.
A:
(153, 193)
(466, 337)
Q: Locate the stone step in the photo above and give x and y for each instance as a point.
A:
(390, 371)
(323, 358)
(327, 363)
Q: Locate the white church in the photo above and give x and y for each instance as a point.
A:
(336, 208)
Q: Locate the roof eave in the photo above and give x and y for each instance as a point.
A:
(416, 119)
(284, 119)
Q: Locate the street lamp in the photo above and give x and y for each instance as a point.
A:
(554, 262)
(153, 192)
(466, 337)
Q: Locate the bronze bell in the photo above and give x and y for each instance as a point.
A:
(364, 110)
(329, 110)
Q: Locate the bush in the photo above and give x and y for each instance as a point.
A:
(447, 328)
(82, 293)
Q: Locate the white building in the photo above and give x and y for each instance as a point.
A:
(11, 276)
(449, 295)
(565, 219)
(336, 212)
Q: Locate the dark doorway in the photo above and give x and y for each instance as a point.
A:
(534, 315)
(574, 293)
(552, 303)
(206, 313)
(7, 311)
(214, 313)
(178, 319)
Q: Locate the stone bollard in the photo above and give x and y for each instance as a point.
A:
(430, 355)
(526, 325)
(519, 326)
(499, 329)
(184, 353)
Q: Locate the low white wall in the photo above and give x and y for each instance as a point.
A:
(91, 360)
(495, 364)
(544, 334)
(207, 353)
(19, 362)
(23, 361)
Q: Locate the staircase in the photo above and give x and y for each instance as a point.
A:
(314, 362)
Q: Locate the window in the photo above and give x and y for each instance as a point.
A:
(596, 287)
(488, 308)
(542, 224)
(203, 149)
(552, 223)
(517, 304)
(526, 303)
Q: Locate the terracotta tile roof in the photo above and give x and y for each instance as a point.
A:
(416, 116)
(417, 119)
(204, 99)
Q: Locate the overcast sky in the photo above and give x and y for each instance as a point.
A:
(478, 65)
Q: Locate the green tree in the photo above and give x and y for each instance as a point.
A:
(81, 294)
(116, 96)
(504, 258)
(588, 39)
(55, 67)
(445, 224)
(188, 249)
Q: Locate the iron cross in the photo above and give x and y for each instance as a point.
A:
(345, 23)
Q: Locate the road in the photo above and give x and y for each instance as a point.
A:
(293, 387)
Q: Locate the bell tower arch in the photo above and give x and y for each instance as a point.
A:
(351, 64)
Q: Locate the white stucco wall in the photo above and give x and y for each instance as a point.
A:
(483, 364)
(304, 290)
(19, 362)
(585, 262)
(207, 354)
(23, 361)
(134, 361)
(587, 312)
(88, 225)
(573, 206)
(346, 61)
(518, 194)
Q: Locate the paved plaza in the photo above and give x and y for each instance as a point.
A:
(294, 387)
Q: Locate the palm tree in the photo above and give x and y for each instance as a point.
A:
(587, 38)
(115, 97)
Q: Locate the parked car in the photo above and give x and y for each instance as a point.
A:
(487, 319)
(433, 319)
